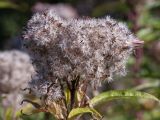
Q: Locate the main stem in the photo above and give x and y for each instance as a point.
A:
(73, 89)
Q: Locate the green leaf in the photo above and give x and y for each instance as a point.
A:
(148, 34)
(67, 95)
(117, 94)
(26, 109)
(9, 114)
(77, 111)
(7, 4)
(148, 85)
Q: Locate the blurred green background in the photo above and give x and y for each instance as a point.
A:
(142, 17)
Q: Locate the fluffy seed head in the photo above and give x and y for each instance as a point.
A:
(95, 49)
(15, 70)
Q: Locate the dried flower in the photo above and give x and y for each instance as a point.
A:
(15, 70)
(70, 53)
(95, 49)
(15, 73)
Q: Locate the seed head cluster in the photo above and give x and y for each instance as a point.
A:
(15, 73)
(15, 70)
(95, 49)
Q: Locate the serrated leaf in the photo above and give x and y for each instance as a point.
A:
(77, 111)
(117, 94)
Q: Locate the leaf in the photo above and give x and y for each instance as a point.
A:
(78, 111)
(7, 4)
(148, 34)
(148, 85)
(117, 94)
(27, 109)
(67, 95)
(9, 114)
(153, 5)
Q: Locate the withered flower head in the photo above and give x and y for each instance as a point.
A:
(15, 70)
(95, 49)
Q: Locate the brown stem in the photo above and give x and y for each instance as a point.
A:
(73, 89)
(72, 96)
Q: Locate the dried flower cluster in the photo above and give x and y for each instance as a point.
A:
(95, 49)
(15, 70)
